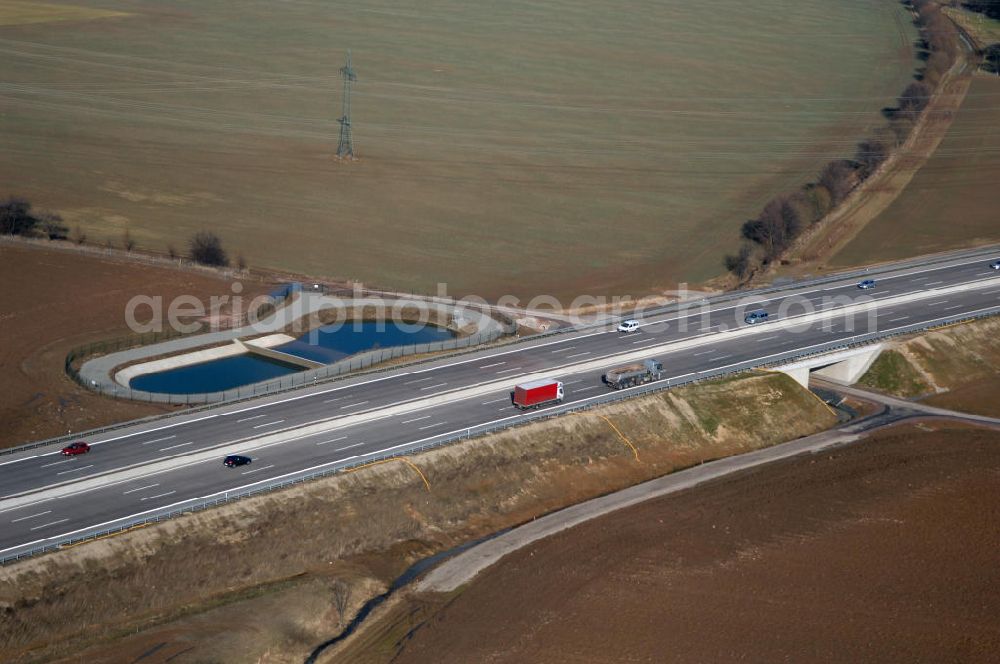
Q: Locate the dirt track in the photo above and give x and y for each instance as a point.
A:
(55, 300)
(883, 551)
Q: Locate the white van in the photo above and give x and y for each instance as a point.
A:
(628, 326)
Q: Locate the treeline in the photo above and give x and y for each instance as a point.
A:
(787, 216)
(18, 218)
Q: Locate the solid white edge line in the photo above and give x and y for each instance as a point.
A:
(329, 463)
(553, 371)
(312, 393)
(558, 368)
(33, 456)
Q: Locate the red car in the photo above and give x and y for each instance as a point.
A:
(78, 447)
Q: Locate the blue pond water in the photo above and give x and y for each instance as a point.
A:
(214, 376)
(326, 345)
(334, 342)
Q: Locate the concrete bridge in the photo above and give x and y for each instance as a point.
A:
(842, 367)
(277, 355)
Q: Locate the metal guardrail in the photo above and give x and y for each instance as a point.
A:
(664, 309)
(354, 363)
(247, 394)
(197, 505)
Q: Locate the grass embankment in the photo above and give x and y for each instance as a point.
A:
(363, 528)
(892, 372)
(958, 366)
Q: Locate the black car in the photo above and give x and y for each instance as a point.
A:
(234, 460)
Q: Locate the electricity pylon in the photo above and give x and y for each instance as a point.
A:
(345, 147)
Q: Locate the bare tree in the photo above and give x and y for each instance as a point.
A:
(206, 248)
(127, 241)
(79, 236)
(913, 100)
(870, 155)
(801, 205)
(839, 179)
(341, 598)
(51, 225)
(241, 262)
(741, 263)
(819, 199)
(16, 217)
(172, 252)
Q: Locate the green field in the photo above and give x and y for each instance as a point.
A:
(952, 201)
(524, 147)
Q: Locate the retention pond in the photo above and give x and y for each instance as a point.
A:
(325, 344)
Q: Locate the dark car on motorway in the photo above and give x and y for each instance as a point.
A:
(78, 447)
(234, 460)
(759, 316)
(866, 284)
(995, 265)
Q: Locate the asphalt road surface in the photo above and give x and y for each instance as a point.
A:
(148, 467)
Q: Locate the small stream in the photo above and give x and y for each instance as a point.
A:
(404, 579)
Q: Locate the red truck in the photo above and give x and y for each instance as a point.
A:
(538, 393)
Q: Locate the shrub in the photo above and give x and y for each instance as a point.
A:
(839, 178)
(16, 217)
(206, 248)
(870, 155)
(819, 199)
(741, 263)
(51, 226)
(991, 59)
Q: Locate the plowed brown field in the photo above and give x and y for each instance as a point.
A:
(882, 551)
(54, 300)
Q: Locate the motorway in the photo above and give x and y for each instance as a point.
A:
(153, 466)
